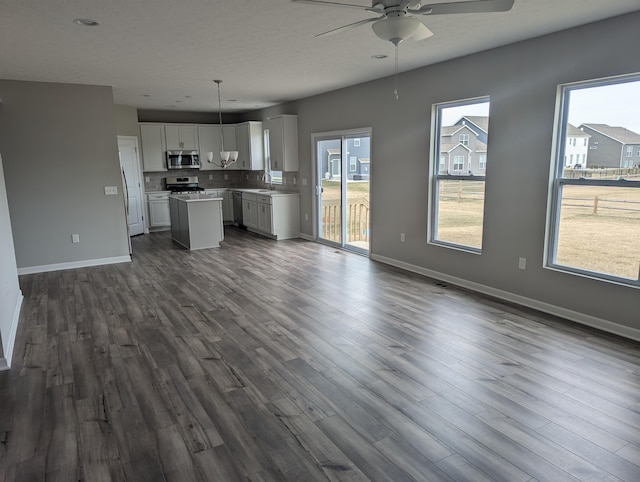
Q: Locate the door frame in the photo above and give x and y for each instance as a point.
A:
(144, 207)
(315, 175)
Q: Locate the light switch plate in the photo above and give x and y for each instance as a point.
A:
(110, 190)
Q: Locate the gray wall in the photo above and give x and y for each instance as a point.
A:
(10, 294)
(126, 121)
(59, 148)
(521, 80)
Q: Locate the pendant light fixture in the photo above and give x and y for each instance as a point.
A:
(226, 157)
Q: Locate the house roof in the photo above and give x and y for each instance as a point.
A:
(620, 134)
(573, 131)
(451, 146)
(451, 130)
(482, 121)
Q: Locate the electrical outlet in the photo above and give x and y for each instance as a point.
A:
(147, 179)
(75, 238)
(306, 216)
(210, 177)
(522, 263)
(304, 181)
(402, 237)
(247, 176)
(226, 177)
(294, 181)
(284, 180)
(110, 190)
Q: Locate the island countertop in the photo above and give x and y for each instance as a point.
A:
(195, 197)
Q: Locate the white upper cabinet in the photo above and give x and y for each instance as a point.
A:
(283, 142)
(229, 133)
(250, 146)
(181, 136)
(209, 141)
(152, 138)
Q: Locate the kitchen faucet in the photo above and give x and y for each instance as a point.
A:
(264, 178)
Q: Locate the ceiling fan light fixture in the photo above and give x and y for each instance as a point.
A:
(396, 29)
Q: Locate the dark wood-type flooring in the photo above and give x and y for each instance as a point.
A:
(290, 360)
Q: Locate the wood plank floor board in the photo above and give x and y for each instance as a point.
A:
(605, 460)
(269, 360)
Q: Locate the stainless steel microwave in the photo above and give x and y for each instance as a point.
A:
(183, 160)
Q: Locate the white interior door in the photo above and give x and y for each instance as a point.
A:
(130, 163)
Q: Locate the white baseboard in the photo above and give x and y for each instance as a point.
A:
(73, 265)
(582, 318)
(5, 363)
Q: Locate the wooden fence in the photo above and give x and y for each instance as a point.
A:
(599, 203)
(357, 222)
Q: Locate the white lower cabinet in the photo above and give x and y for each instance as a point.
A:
(250, 210)
(159, 215)
(227, 203)
(276, 215)
(265, 214)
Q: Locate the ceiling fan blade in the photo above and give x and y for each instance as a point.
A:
(335, 4)
(470, 6)
(345, 27)
(422, 33)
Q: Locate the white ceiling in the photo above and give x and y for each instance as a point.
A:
(264, 50)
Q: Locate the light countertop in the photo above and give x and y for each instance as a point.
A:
(195, 197)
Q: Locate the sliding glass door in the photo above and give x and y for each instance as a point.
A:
(343, 174)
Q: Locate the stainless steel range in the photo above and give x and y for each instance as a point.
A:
(186, 184)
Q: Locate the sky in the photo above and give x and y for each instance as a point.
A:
(616, 105)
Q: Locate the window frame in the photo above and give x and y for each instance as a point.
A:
(435, 176)
(557, 182)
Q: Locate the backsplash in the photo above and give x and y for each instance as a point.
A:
(154, 181)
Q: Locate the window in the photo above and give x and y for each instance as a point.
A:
(353, 164)
(629, 151)
(638, 152)
(585, 141)
(356, 143)
(442, 166)
(275, 177)
(594, 222)
(456, 208)
(464, 139)
(458, 163)
(482, 162)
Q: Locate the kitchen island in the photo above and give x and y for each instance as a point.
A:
(196, 220)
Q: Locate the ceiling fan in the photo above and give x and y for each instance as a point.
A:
(397, 20)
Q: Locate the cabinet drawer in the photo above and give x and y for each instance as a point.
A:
(158, 197)
(248, 196)
(264, 199)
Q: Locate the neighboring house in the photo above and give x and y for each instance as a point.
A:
(614, 147)
(462, 150)
(576, 148)
(358, 165)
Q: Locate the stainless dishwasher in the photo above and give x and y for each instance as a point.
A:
(237, 209)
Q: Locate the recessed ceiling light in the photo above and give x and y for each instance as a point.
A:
(232, 100)
(171, 106)
(187, 97)
(144, 95)
(379, 56)
(86, 22)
